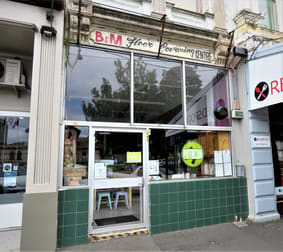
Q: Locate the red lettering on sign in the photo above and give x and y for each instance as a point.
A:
(281, 82)
(98, 37)
(117, 41)
(274, 87)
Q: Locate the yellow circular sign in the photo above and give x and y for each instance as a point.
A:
(192, 154)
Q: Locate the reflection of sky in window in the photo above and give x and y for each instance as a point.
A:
(83, 131)
(16, 133)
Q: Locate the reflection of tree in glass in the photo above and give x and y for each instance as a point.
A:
(193, 82)
(146, 89)
(154, 101)
(106, 103)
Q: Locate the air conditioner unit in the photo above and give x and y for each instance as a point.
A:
(10, 71)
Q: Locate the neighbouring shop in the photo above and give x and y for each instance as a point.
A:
(16, 57)
(265, 121)
(146, 140)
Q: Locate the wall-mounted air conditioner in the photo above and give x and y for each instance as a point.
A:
(10, 71)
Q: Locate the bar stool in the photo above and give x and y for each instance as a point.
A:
(100, 196)
(118, 194)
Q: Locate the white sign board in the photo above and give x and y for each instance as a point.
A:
(100, 171)
(261, 142)
(266, 81)
(153, 167)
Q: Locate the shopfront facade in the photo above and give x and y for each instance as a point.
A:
(264, 81)
(146, 137)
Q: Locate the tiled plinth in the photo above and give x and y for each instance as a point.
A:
(181, 205)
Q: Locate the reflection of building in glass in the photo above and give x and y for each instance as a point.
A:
(3, 131)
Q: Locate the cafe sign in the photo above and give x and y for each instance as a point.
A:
(266, 81)
(150, 45)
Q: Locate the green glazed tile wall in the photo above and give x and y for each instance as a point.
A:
(72, 217)
(188, 204)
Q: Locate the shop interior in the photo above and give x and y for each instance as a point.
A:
(276, 126)
(165, 147)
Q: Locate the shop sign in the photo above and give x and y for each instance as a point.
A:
(192, 154)
(261, 142)
(266, 81)
(134, 157)
(151, 45)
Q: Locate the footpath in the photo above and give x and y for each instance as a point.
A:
(222, 237)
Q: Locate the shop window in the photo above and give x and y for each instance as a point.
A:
(98, 85)
(75, 171)
(266, 8)
(180, 154)
(13, 140)
(207, 96)
(158, 91)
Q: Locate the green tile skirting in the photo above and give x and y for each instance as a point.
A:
(72, 217)
(182, 205)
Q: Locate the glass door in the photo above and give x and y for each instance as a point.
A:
(117, 171)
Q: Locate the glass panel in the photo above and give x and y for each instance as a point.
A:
(157, 92)
(117, 206)
(118, 155)
(13, 158)
(207, 96)
(98, 86)
(179, 154)
(266, 9)
(75, 171)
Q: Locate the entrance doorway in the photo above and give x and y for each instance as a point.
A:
(276, 129)
(117, 170)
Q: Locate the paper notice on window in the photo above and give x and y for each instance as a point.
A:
(134, 157)
(10, 179)
(219, 170)
(227, 169)
(218, 157)
(153, 167)
(226, 156)
(100, 171)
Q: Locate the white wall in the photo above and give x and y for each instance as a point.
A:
(190, 5)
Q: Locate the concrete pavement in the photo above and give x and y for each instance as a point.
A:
(221, 237)
(10, 240)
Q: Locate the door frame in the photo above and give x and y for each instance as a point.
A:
(144, 179)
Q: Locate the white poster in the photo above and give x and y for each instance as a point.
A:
(218, 159)
(100, 171)
(226, 156)
(227, 169)
(153, 167)
(219, 170)
(265, 81)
